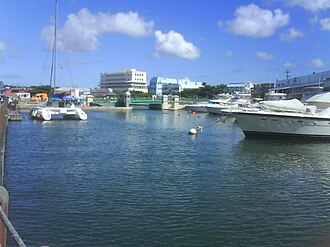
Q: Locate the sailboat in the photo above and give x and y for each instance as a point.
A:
(60, 108)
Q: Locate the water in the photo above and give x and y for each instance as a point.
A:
(138, 178)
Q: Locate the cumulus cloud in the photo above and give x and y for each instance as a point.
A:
(289, 65)
(290, 35)
(317, 63)
(253, 21)
(325, 24)
(2, 46)
(264, 56)
(312, 6)
(81, 30)
(173, 43)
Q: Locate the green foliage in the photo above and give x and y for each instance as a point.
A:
(206, 92)
(140, 94)
(39, 89)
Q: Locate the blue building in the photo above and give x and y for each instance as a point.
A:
(161, 85)
(298, 87)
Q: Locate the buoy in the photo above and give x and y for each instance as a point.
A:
(193, 131)
(193, 113)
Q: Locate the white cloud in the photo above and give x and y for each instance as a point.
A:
(173, 43)
(317, 63)
(289, 65)
(291, 35)
(81, 30)
(310, 5)
(264, 56)
(3, 46)
(227, 55)
(253, 21)
(325, 24)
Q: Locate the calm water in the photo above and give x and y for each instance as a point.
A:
(139, 179)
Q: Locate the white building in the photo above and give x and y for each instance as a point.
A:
(126, 80)
(161, 85)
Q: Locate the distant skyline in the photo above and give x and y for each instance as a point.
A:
(212, 41)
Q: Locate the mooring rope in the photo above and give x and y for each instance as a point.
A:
(11, 229)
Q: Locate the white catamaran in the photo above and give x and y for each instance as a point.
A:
(59, 108)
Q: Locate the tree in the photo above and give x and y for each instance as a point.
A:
(206, 92)
(40, 89)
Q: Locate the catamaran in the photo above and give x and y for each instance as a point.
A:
(57, 108)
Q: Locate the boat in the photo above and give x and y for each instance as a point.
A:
(220, 99)
(236, 101)
(196, 107)
(61, 107)
(288, 118)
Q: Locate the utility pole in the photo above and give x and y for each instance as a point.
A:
(287, 72)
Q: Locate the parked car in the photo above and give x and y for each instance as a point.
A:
(95, 104)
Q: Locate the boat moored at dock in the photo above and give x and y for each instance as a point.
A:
(288, 119)
(50, 113)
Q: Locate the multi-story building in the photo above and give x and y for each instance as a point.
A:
(300, 86)
(161, 85)
(239, 87)
(126, 80)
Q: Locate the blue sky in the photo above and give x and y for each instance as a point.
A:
(213, 41)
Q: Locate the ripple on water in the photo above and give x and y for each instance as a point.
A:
(137, 178)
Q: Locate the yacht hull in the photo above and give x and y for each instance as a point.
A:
(279, 125)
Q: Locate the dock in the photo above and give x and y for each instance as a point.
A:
(14, 116)
(13, 113)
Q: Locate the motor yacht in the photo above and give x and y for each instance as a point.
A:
(287, 118)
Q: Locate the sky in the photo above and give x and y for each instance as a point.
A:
(212, 41)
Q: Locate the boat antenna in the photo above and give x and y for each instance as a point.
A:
(53, 66)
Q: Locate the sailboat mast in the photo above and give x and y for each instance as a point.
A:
(53, 66)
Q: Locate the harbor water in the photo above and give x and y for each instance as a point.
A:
(137, 178)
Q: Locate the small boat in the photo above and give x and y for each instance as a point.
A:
(288, 119)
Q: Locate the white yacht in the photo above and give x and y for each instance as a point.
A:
(237, 100)
(221, 99)
(288, 118)
(196, 107)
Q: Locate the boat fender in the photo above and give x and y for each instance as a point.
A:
(193, 131)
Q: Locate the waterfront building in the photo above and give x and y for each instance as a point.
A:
(300, 86)
(126, 80)
(74, 91)
(162, 85)
(245, 87)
